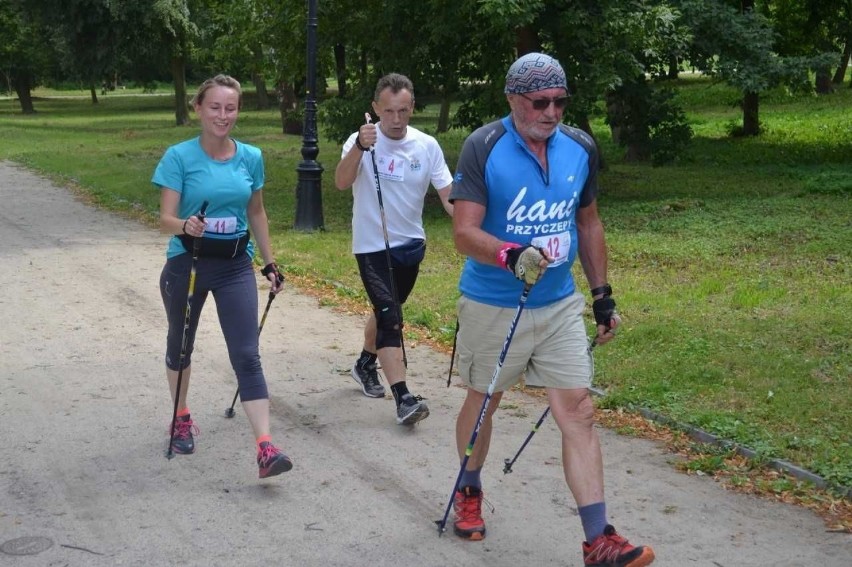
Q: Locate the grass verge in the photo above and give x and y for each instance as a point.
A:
(731, 267)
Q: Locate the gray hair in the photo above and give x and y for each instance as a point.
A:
(395, 82)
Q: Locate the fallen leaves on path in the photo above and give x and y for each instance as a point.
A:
(735, 472)
(732, 471)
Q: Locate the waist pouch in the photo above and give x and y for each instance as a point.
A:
(217, 247)
(409, 254)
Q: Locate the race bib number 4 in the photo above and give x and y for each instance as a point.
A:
(557, 245)
(390, 167)
(221, 225)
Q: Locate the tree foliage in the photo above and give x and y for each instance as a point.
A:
(615, 52)
(84, 37)
(25, 58)
(739, 48)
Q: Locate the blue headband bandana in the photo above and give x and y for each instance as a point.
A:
(534, 72)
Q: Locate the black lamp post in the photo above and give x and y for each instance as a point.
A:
(309, 188)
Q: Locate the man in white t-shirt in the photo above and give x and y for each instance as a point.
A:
(389, 166)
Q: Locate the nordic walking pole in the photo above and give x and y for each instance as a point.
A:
(442, 523)
(507, 463)
(453, 355)
(196, 247)
(394, 295)
(230, 411)
(507, 466)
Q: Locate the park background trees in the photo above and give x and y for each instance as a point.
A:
(711, 253)
(619, 54)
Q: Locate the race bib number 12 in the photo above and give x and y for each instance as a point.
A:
(557, 245)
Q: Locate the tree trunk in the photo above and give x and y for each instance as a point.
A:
(179, 78)
(444, 112)
(340, 68)
(751, 114)
(614, 107)
(93, 91)
(262, 102)
(291, 122)
(286, 96)
(526, 40)
(674, 68)
(823, 81)
(585, 126)
(22, 81)
(637, 151)
(840, 74)
(363, 66)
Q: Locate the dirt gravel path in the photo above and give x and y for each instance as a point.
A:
(84, 410)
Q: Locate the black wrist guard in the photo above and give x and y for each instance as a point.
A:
(270, 268)
(604, 309)
(605, 290)
(359, 146)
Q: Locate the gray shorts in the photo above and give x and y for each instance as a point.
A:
(550, 347)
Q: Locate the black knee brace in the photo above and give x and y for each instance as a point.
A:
(388, 327)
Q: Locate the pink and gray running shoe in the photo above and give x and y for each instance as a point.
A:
(183, 442)
(271, 461)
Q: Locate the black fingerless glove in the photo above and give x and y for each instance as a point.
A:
(524, 263)
(272, 268)
(512, 255)
(604, 309)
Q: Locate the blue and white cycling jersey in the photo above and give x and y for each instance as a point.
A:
(526, 204)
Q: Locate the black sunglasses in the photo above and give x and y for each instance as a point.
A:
(559, 102)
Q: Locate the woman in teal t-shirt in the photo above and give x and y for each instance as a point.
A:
(229, 176)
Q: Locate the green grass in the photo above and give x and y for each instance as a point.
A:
(731, 268)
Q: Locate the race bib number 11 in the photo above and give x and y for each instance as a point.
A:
(221, 225)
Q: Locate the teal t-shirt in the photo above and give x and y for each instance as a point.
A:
(226, 185)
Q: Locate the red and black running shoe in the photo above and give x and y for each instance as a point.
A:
(467, 506)
(611, 550)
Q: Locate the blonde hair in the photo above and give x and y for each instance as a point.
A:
(218, 81)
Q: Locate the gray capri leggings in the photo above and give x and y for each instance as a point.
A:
(233, 284)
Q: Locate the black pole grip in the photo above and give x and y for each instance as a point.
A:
(196, 242)
(203, 212)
